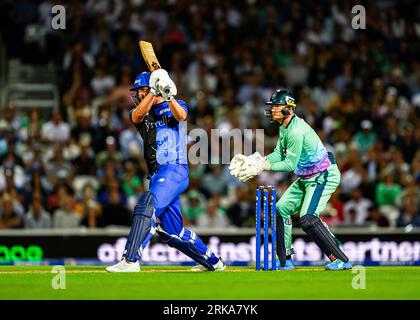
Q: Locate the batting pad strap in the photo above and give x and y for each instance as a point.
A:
(186, 245)
(145, 206)
(321, 235)
(148, 237)
(143, 227)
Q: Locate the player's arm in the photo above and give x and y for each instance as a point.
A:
(276, 155)
(143, 108)
(294, 150)
(178, 112)
(167, 89)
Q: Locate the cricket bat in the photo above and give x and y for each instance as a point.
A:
(149, 55)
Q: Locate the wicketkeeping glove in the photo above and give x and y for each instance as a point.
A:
(253, 168)
(236, 163)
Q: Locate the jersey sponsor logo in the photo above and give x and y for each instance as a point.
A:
(153, 124)
(163, 111)
(166, 150)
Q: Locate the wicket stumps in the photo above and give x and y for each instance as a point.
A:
(265, 197)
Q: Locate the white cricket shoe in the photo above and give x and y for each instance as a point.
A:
(124, 266)
(219, 266)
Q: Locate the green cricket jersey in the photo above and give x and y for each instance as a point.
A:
(299, 149)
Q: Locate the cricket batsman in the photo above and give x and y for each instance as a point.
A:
(298, 149)
(159, 118)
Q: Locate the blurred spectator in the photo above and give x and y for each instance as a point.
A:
(114, 212)
(193, 206)
(9, 217)
(83, 131)
(105, 191)
(111, 153)
(411, 190)
(337, 206)
(329, 215)
(409, 143)
(11, 156)
(37, 217)
(366, 138)
(387, 192)
(243, 208)
(214, 217)
(215, 181)
(131, 143)
(101, 82)
(31, 126)
(59, 170)
(357, 208)
(410, 214)
(65, 216)
(12, 177)
(131, 183)
(104, 131)
(85, 163)
(377, 218)
(88, 209)
(56, 130)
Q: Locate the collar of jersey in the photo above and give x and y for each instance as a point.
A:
(293, 117)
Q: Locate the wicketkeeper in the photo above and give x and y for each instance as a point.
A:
(298, 149)
(159, 118)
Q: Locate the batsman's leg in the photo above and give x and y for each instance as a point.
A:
(142, 229)
(318, 192)
(165, 186)
(288, 204)
(172, 232)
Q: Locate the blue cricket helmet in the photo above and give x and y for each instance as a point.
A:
(142, 80)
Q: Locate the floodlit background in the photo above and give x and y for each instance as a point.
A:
(71, 165)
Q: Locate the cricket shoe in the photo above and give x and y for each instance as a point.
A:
(337, 264)
(219, 266)
(288, 265)
(124, 266)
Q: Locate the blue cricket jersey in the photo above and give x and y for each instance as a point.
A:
(164, 137)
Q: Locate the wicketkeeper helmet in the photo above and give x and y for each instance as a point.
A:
(281, 97)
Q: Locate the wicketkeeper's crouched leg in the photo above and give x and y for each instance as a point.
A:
(288, 204)
(318, 191)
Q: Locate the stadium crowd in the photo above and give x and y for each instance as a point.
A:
(82, 165)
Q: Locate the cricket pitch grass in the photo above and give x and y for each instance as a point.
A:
(238, 283)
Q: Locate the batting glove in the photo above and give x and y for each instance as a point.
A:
(155, 78)
(167, 88)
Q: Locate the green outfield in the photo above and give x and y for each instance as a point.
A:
(34, 282)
